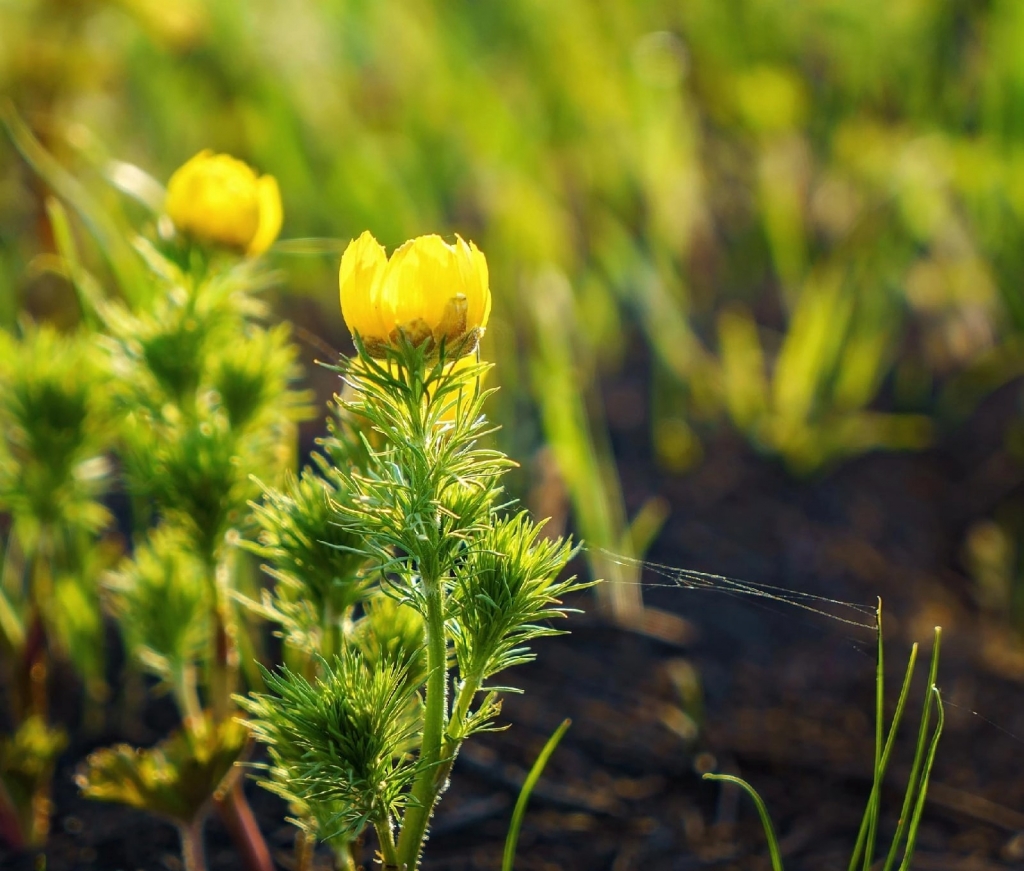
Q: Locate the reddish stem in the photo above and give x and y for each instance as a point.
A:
(10, 822)
(192, 852)
(238, 819)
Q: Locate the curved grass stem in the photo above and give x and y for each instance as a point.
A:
(766, 821)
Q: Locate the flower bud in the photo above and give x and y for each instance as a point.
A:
(428, 291)
(217, 199)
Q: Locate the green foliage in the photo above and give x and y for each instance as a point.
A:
(431, 487)
(421, 510)
(194, 473)
(161, 597)
(52, 472)
(314, 561)
(504, 591)
(74, 614)
(253, 378)
(176, 779)
(54, 432)
(196, 395)
(337, 744)
(206, 395)
(392, 633)
(27, 760)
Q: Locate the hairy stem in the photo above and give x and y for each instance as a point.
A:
(460, 709)
(386, 838)
(428, 782)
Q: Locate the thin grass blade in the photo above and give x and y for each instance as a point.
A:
(922, 792)
(919, 757)
(766, 821)
(512, 839)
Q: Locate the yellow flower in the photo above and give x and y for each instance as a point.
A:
(218, 199)
(428, 290)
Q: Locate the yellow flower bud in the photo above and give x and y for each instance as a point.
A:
(217, 199)
(428, 290)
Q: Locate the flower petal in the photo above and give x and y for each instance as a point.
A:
(271, 215)
(359, 279)
(473, 266)
(421, 277)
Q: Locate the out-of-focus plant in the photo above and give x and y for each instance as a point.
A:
(994, 560)
(901, 849)
(451, 587)
(810, 246)
(811, 408)
(810, 213)
(162, 597)
(201, 392)
(53, 473)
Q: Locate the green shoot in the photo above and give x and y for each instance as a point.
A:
(519, 811)
(917, 784)
(766, 820)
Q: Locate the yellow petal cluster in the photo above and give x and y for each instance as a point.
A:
(218, 199)
(428, 290)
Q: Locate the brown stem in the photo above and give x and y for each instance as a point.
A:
(10, 822)
(220, 677)
(304, 849)
(238, 819)
(35, 667)
(41, 808)
(192, 852)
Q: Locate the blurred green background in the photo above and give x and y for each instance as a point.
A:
(806, 218)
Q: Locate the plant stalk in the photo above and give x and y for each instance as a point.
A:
(10, 823)
(221, 677)
(303, 852)
(429, 781)
(192, 852)
(241, 824)
(386, 840)
(186, 694)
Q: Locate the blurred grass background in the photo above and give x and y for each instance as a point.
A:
(811, 214)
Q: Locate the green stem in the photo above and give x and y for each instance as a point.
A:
(467, 692)
(919, 756)
(342, 858)
(876, 790)
(330, 644)
(428, 783)
(222, 677)
(386, 838)
(766, 821)
(186, 694)
(36, 659)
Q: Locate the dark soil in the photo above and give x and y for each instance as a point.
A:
(787, 694)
